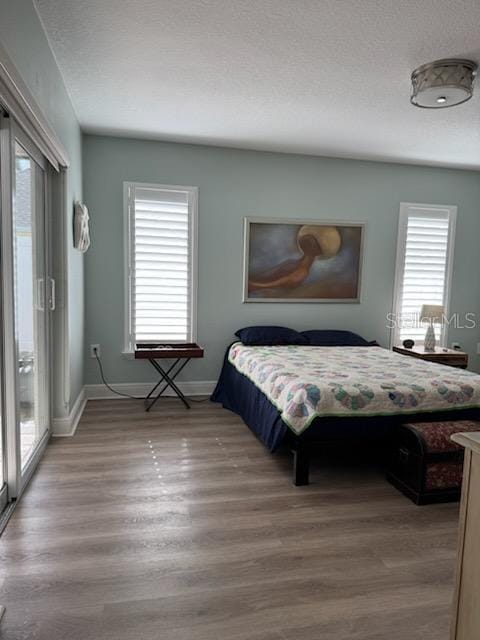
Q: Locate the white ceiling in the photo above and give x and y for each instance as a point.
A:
(326, 77)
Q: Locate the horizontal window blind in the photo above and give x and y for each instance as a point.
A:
(161, 262)
(424, 265)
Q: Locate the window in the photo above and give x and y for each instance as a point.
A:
(161, 269)
(424, 266)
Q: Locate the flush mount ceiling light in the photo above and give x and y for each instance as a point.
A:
(443, 83)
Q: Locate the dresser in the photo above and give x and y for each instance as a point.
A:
(466, 607)
(450, 357)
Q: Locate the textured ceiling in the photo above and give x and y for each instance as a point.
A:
(326, 77)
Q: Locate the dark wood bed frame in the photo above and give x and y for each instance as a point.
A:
(376, 431)
(301, 463)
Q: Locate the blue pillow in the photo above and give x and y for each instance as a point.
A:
(258, 336)
(334, 338)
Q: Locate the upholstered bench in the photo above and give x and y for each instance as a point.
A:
(425, 464)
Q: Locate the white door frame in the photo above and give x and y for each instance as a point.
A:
(18, 101)
(17, 478)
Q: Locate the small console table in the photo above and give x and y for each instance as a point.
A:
(181, 354)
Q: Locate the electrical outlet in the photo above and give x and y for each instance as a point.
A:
(94, 350)
(457, 346)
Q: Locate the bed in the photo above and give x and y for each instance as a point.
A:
(304, 396)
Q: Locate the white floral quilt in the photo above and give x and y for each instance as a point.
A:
(305, 382)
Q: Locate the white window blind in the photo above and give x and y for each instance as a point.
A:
(424, 254)
(161, 269)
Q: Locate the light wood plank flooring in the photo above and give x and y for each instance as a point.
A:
(179, 525)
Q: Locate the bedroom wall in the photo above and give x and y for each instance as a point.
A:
(235, 183)
(23, 38)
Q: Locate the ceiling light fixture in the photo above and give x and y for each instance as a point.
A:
(443, 83)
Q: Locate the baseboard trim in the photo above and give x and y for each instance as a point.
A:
(141, 389)
(64, 427)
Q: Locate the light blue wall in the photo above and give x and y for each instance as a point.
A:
(235, 183)
(24, 40)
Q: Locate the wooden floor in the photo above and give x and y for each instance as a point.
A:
(179, 525)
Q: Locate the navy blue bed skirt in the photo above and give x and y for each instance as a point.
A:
(237, 393)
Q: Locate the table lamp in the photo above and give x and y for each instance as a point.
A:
(433, 314)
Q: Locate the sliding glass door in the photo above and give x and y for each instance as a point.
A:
(30, 291)
(27, 298)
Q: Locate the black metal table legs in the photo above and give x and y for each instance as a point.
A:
(167, 377)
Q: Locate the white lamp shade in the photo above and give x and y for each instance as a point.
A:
(432, 313)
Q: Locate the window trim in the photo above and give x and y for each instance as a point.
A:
(128, 229)
(429, 210)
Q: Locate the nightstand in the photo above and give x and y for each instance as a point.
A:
(450, 357)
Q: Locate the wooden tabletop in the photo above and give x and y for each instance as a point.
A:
(420, 351)
(168, 350)
(469, 440)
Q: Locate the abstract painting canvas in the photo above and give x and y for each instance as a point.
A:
(302, 260)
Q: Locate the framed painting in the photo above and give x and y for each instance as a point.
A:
(302, 260)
